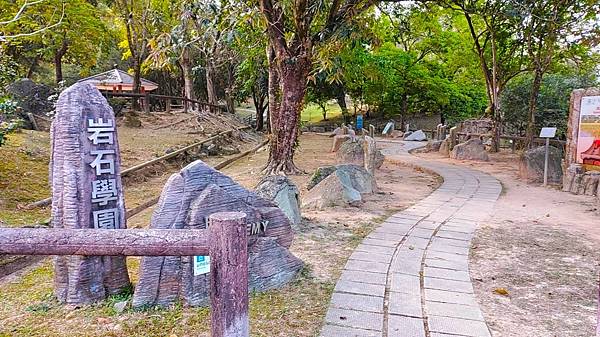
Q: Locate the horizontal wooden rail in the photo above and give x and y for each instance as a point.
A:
(507, 137)
(103, 242)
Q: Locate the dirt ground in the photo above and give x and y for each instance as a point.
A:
(539, 246)
(324, 242)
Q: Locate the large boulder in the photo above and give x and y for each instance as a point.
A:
(187, 200)
(320, 174)
(418, 135)
(531, 165)
(351, 152)
(344, 186)
(282, 191)
(472, 149)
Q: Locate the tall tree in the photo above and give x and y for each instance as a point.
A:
(549, 28)
(499, 45)
(294, 30)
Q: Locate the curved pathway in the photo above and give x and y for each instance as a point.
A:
(410, 276)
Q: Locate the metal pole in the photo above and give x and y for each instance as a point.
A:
(546, 161)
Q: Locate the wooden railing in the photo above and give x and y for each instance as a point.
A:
(186, 102)
(225, 241)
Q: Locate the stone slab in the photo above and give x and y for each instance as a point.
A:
(441, 284)
(405, 304)
(364, 277)
(401, 326)
(360, 288)
(444, 296)
(330, 330)
(355, 319)
(458, 326)
(454, 310)
(357, 302)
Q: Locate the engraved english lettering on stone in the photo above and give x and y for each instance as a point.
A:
(101, 131)
(101, 164)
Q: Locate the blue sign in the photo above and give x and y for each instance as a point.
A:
(359, 122)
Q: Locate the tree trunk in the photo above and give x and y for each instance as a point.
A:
(341, 101)
(58, 55)
(229, 91)
(284, 121)
(188, 79)
(137, 81)
(259, 104)
(211, 91)
(535, 89)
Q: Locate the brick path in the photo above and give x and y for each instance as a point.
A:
(410, 276)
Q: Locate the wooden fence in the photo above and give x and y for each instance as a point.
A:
(147, 98)
(225, 241)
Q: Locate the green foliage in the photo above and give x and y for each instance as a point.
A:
(9, 122)
(552, 103)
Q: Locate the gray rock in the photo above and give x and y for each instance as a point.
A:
(320, 174)
(345, 186)
(433, 145)
(318, 129)
(229, 150)
(531, 165)
(373, 158)
(282, 191)
(472, 149)
(83, 279)
(445, 147)
(188, 198)
(418, 135)
(351, 152)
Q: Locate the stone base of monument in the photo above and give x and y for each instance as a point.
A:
(576, 181)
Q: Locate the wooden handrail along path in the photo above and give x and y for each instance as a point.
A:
(225, 241)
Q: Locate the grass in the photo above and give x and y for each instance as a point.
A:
(23, 177)
(313, 113)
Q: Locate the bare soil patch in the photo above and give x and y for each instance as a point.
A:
(324, 243)
(539, 246)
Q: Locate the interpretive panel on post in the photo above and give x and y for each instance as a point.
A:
(588, 140)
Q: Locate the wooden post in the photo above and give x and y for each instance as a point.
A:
(146, 103)
(33, 122)
(228, 275)
(168, 105)
(185, 105)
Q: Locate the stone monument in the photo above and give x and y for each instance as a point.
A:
(86, 192)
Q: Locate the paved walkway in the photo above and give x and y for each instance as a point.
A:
(410, 276)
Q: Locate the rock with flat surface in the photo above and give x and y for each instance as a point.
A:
(188, 198)
(320, 174)
(472, 149)
(351, 152)
(282, 191)
(418, 135)
(344, 186)
(433, 145)
(531, 165)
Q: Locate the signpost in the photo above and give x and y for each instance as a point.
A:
(547, 133)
